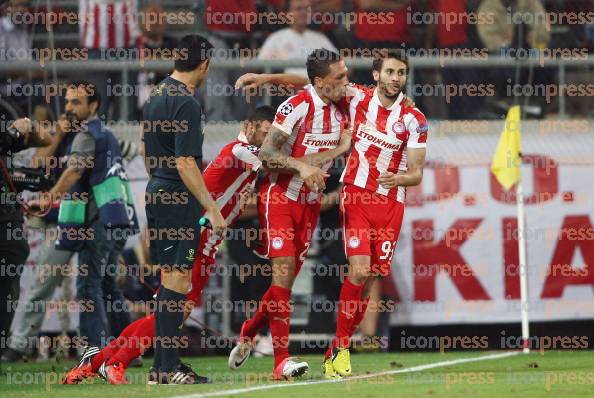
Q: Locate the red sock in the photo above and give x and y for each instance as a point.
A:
(203, 268)
(137, 343)
(110, 349)
(260, 317)
(350, 304)
(279, 317)
(360, 314)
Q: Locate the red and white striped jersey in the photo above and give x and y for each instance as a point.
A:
(108, 23)
(313, 126)
(380, 138)
(229, 176)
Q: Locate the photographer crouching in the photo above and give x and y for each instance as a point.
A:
(13, 242)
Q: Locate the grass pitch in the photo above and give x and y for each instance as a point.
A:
(552, 374)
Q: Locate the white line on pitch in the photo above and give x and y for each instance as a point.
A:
(417, 368)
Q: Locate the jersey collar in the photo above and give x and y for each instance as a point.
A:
(316, 98)
(396, 103)
(241, 137)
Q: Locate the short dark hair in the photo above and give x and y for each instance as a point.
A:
(91, 89)
(319, 61)
(391, 53)
(192, 50)
(262, 113)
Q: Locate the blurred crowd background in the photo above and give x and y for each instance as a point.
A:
(288, 30)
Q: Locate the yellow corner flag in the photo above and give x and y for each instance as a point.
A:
(506, 161)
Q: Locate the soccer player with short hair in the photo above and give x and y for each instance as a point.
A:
(388, 154)
(228, 177)
(308, 133)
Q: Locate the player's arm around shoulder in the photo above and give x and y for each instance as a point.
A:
(252, 81)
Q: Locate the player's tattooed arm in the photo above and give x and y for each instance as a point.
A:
(274, 160)
(414, 173)
(271, 155)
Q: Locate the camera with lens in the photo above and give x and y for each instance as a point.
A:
(11, 139)
(22, 178)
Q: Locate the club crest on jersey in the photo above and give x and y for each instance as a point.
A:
(338, 115)
(286, 109)
(354, 242)
(277, 243)
(398, 127)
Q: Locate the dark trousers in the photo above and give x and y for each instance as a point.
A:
(103, 312)
(14, 251)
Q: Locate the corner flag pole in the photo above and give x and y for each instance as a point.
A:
(506, 167)
(523, 273)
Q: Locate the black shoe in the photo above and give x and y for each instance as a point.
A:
(135, 363)
(10, 355)
(183, 374)
(153, 377)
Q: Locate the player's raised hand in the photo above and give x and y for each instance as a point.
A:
(388, 180)
(250, 81)
(219, 225)
(313, 177)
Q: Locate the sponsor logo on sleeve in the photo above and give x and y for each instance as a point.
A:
(422, 130)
